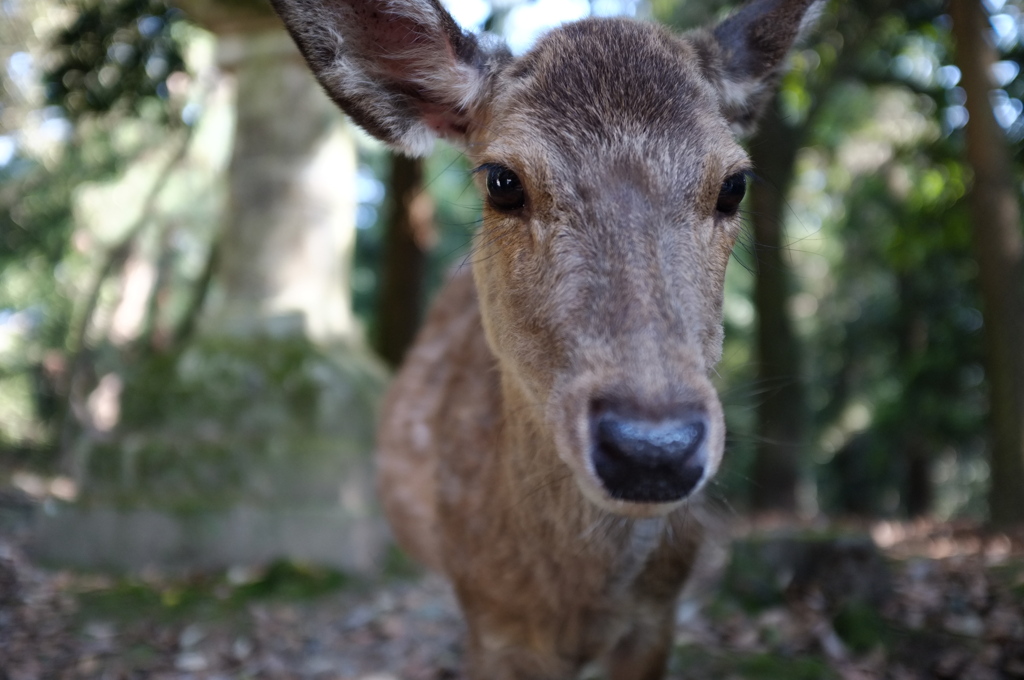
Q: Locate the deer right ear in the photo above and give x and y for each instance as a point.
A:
(743, 55)
(402, 69)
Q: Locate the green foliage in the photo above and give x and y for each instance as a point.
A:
(693, 661)
(898, 333)
(128, 598)
(115, 56)
(884, 277)
(860, 626)
(284, 579)
(457, 213)
(773, 667)
(398, 565)
(106, 87)
(207, 596)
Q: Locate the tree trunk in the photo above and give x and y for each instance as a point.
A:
(914, 332)
(999, 250)
(918, 491)
(780, 412)
(262, 425)
(290, 227)
(409, 234)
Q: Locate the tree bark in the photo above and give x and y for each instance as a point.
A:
(407, 240)
(913, 441)
(289, 231)
(918, 490)
(999, 250)
(781, 410)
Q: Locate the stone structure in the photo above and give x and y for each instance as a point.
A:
(253, 443)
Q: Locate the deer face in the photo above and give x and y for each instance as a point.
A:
(611, 178)
(611, 186)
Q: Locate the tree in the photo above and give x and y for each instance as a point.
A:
(781, 408)
(289, 226)
(782, 427)
(409, 234)
(270, 403)
(999, 250)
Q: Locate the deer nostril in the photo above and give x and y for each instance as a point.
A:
(649, 461)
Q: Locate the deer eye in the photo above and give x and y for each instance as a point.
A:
(504, 190)
(733, 190)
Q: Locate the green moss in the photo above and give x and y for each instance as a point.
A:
(283, 579)
(722, 607)
(1018, 592)
(773, 667)
(244, 380)
(860, 626)
(693, 662)
(398, 566)
(260, 420)
(1011, 575)
(207, 597)
(130, 599)
(139, 655)
(751, 577)
(844, 566)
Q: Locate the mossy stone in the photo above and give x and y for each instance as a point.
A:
(263, 420)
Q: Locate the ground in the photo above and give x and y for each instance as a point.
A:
(890, 601)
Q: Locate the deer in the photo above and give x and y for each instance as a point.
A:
(545, 444)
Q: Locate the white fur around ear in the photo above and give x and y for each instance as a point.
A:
(402, 69)
(810, 21)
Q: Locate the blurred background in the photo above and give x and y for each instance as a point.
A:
(208, 274)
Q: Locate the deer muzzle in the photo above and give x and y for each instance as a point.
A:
(641, 460)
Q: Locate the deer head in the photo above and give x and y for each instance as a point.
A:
(612, 177)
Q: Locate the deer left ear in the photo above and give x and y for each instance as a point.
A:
(402, 69)
(743, 55)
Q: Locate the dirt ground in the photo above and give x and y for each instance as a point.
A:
(894, 601)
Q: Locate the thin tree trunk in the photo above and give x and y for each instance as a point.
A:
(914, 339)
(409, 235)
(999, 250)
(918, 490)
(186, 328)
(781, 410)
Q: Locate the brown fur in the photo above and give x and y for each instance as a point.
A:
(606, 286)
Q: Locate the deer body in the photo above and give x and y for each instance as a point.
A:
(546, 440)
(551, 580)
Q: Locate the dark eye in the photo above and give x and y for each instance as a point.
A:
(504, 190)
(731, 195)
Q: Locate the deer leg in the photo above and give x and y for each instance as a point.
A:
(643, 654)
(489, 659)
(515, 664)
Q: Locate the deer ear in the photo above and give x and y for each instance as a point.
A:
(402, 69)
(743, 55)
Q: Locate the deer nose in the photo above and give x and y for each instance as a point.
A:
(649, 461)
